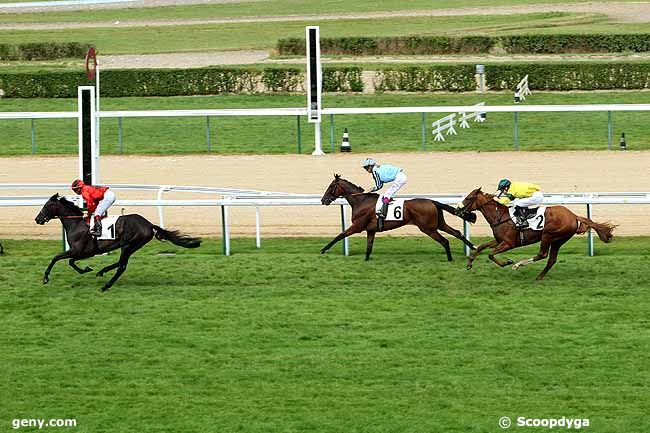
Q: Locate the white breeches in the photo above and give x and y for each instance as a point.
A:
(534, 200)
(105, 203)
(399, 182)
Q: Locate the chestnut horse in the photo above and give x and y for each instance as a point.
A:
(561, 224)
(424, 213)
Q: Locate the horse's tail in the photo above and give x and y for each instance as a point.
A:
(176, 238)
(469, 216)
(604, 230)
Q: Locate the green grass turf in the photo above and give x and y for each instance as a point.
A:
(368, 133)
(264, 35)
(283, 339)
(264, 8)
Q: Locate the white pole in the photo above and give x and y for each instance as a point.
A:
(346, 243)
(97, 145)
(466, 234)
(590, 234)
(226, 233)
(258, 240)
(161, 217)
(318, 149)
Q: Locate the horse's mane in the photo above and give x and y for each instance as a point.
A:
(358, 188)
(67, 204)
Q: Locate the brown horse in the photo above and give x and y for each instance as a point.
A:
(561, 224)
(424, 213)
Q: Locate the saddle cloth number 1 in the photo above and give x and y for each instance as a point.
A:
(395, 210)
(108, 228)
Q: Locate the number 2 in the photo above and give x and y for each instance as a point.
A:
(540, 223)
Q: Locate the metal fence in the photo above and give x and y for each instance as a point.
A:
(228, 198)
(299, 113)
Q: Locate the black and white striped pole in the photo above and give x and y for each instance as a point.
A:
(345, 144)
(314, 85)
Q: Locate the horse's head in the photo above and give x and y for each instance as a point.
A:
(55, 207)
(339, 187)
(474, 201)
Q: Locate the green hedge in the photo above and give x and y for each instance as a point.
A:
(559, 44)
(172, 82)
(43, 51)
(209, 81)
(514, 44)
(409, 45)
(570, 76)
(458, 78)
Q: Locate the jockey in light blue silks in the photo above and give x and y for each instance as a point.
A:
(382, 174)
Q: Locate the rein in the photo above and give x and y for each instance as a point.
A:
(498, 223)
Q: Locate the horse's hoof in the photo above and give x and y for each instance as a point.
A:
(322, 251)
(515, 266)
(509, 262)
(99, 274)
(88, 269)
(46, 280)
(104, 289)
(469, 267)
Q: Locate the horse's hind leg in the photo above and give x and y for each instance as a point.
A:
(127, 251)
(455, 233)
(543, 253)
(108, 268)
(552, 257)
(433, 234)
(370, 240)
(74, 266)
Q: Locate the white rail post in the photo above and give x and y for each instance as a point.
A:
(467, 236)
(161, 216)
(258, 239)
(225, 231)
(346, 243)
(590, 234)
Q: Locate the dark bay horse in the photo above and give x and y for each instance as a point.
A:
(561, 224)
(132, 232)
(424, 213)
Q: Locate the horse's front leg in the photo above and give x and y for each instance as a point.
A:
(349, 231)
(478, 250)
(502, 247)
(63, 255)
(74, 266)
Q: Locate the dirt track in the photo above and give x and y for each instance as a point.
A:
(427, 172)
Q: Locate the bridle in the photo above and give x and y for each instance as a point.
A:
(499, 219)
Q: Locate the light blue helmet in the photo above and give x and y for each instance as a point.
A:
(368, 162)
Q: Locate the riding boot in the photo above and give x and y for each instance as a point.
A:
(521, 212)
(381, 215)
(97, 228)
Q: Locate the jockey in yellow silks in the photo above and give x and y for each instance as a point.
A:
(521, 195)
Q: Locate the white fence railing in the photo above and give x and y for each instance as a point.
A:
(257, 199)
(301, 112)
(447, 123)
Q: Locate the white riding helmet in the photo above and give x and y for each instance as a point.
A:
(368, 162)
